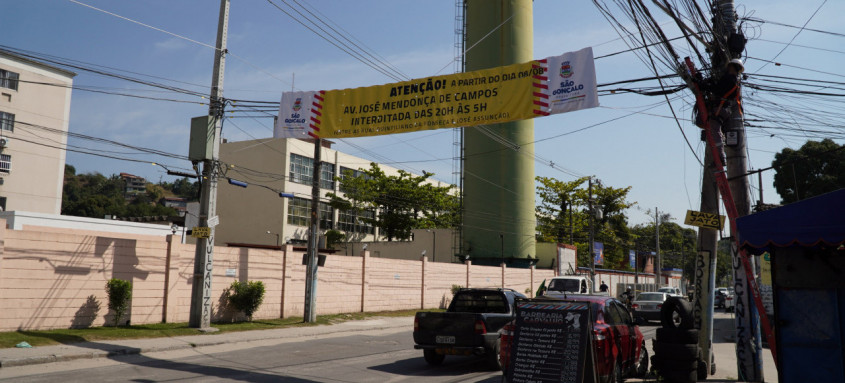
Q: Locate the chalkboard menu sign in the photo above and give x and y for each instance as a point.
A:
(551, 342)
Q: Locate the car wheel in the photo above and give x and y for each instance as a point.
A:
(676, 313)
(493, 360)
(433, 358)
(642, 366)
(616, 374)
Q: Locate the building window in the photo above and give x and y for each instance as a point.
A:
(299, 213)
(2, 203)
(9, 79)
(302, 170)
(348, 221)
(7, 121)
(5, 163)
(350, 173)
(327, 176)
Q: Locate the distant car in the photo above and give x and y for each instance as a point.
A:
(730, 301)
(620, 347)
(673, 291)
(647, 306)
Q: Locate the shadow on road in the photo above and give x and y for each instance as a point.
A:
(457, 366)
(133, 356)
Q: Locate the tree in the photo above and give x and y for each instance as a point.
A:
(94, 195)
(403, 201)
(817, 168)
(556, 197)
(677, 244)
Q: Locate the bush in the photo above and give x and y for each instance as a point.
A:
(334, 237)
(120, 293)
(246, 296)
(456, 288)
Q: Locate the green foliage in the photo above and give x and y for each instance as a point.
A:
(815, 169)
(94, 195)
(334, 237)
(553, 218)
(246, 296)
(120, 293)
(456, 288)
(183, 188)
(677, 244)
(404, 201)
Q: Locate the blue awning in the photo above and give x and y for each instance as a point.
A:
(811, 222)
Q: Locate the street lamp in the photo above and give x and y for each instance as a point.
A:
(277, 237)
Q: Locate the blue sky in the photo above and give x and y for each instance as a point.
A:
(646, 152)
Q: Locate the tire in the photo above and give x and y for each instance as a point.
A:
(673, 351)
(677, 336)
(616, 374)
(679, 376)
(433, 358)
(701, 370)
(712, 364)
(642, 365)
(493, 361)
(673, 365)
(676, 313)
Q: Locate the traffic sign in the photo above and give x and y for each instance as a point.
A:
(708, 220)
(201, 232)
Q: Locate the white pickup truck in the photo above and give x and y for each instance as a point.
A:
(560, 287)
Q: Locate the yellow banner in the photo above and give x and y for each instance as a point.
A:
(486, 96)
(707, 220)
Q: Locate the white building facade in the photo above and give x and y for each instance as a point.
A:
(285, 164)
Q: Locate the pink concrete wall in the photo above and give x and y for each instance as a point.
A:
(56, 279)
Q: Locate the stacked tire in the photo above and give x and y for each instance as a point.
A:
(676, 352)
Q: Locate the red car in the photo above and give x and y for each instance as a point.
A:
(620, 348)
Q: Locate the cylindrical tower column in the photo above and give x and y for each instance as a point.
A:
(498, 207)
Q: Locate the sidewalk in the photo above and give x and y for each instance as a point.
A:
(11, 357)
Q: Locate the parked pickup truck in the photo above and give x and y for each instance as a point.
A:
(470, 326)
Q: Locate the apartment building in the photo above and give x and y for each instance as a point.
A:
(285, 164)
(34, 116)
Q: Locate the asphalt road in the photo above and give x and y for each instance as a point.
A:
(373, 356)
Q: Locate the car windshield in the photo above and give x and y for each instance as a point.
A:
(568, 285)
(651, 297)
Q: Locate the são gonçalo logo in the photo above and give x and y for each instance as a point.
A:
(565, 69)
(297, 105)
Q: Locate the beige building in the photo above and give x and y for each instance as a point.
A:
(34, 115)
(247, 214)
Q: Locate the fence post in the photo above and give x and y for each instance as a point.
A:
(365, 280)
(424, 261)
(468, 263)
(532, 281)
(287, 249)
(503, 274)
(166, 291)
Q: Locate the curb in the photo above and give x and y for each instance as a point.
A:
(122, 350)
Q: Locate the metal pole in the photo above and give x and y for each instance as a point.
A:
(434, 246)
(592, 235)
(657, 265)
(311, 259)
(502, 238)
(200, 314)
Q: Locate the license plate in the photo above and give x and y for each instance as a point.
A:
(447, 339)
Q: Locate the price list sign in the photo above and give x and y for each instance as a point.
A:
(550, 342)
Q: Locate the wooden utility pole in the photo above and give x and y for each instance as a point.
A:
(200, 314)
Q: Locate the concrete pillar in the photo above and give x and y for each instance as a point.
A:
(365, 280)
(287, 249)
(504, 267)
(499, 181)
(423, 286)
(469, 264)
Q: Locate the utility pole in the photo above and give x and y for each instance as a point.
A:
(749, 346)
(200, 314)
(657, 264)
(592, 234)
(313, 236)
